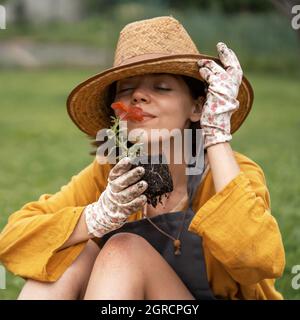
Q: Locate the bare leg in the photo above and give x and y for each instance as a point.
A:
(70, 286)
(128, 267)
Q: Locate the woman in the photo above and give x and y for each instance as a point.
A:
(227, 245)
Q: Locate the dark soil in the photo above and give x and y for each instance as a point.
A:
(158, 177)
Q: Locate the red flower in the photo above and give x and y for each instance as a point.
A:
(127, 112)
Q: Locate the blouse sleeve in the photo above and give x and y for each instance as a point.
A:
(237, 227)
(30, 242)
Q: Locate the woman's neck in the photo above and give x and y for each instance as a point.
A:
(178, 175)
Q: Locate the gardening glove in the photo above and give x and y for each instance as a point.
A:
(122, 197)
(221, 101)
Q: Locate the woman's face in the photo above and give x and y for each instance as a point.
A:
(164, 98)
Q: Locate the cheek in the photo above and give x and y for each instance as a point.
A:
(178, 112)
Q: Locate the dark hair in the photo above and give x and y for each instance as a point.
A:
(197, 88)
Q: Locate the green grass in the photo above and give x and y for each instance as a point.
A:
(41, 148)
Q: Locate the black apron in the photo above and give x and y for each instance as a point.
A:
(190, 265)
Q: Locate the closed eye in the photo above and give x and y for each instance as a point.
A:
(158, 88)
(126, 89)
(162, 88)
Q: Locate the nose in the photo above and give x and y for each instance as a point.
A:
(140, 95)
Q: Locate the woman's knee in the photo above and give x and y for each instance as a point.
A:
(124, 243)
(122, 249)
(137, 261)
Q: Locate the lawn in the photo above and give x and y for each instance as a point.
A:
(41, 148)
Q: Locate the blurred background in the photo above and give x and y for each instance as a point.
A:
(49, 46)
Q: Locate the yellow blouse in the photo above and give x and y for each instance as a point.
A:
(242, 243)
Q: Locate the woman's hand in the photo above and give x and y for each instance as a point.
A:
(222, 95)
(122, 197)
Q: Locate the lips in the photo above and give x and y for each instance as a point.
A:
(146, 114)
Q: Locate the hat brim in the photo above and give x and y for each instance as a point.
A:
(86, 103)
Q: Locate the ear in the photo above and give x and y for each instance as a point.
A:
(197, 109)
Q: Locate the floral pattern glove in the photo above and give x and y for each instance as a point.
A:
(221, 101)
(122, 197)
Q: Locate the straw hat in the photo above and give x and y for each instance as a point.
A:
(157, 45)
